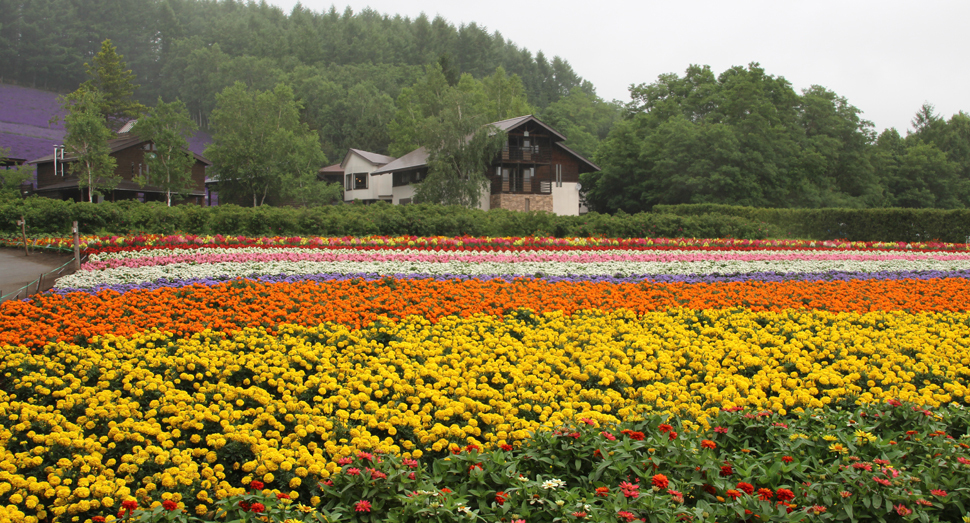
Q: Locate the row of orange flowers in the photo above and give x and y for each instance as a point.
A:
(234, 305)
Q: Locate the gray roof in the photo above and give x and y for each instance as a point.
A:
(512, 123)
(123, 185)
(412, 160)
(374, 158)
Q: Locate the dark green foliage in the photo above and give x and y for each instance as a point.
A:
(46, 216)
(884, 224)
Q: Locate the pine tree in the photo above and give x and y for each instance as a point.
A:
(113, 80)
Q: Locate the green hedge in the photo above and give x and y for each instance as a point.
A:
(54, 217)
(894, 224)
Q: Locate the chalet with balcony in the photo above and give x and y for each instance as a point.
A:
(533, 172)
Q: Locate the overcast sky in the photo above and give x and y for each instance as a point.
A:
(885, 57)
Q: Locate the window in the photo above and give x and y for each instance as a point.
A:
(360, 180)
(348, 183)
(558, 175)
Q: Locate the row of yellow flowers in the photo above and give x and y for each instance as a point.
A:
(192, 419)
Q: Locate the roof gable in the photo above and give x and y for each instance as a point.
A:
(374, 158)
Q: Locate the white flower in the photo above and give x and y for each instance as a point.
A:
(554, 483)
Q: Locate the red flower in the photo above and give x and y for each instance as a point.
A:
(472, 448)
(446, 490)
(765, 494)
(629, 489)
(129, 504)
(748, 488)
(902, 510)
(673, 435)
(664, 428)
(244, 506)
(362, 506)
(501, 497)
(478, 466)
(506, 447)
(411, 463)
(883, 482)
(709, 489)
(784, 494)
(708, 444)
(608, 436)
(344, 461)
(98, 519)
(169, 505)
(787, 459)
(580, 514)
(256, 484)
(721, 430)
(636, 436)
(602, 491)
(282, 495)
(365, 456)
(660, 481)
(376, 474)
(726, 471)
(938, 492)
(626, 515)
(733, 494)
(817, 509)
(258, 508)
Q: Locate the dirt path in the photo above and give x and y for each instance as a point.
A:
(17, 270)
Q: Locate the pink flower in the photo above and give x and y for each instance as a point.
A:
(410, 463)
(376, 474)
(721, 430)
(938, 492)
(902, 510)
(365, 456)
(352, 471)
(344, 461)
(362, 506)
(629, 489)
(883, 482)
(608, 436)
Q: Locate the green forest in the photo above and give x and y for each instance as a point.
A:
(743, 136)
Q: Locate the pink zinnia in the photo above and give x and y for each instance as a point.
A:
(352, 471)
(938, 492)
(362, 506)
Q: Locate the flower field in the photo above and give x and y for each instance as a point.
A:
(182, 369)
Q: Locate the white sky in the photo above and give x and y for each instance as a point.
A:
(885, 57)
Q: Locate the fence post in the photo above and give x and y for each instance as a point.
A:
(77, 248)
(23, 232)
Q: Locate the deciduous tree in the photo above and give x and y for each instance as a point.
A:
(169, 127)
(86, 142)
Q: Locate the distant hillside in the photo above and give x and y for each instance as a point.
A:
(25, 129)
(24, 117)
(346, 67)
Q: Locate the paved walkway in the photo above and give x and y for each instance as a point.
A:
(17, 270)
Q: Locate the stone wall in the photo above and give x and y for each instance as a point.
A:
(517, 202)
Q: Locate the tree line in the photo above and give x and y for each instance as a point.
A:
(745, 137)
(346, 68)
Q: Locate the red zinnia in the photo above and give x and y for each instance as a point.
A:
(787, 459)
(602, 491)
(258, 508)
(902, 510)
(660, 481)
(244, 506)
(673, 435)
(664, 428)
(282, 495)
(129, 504)
(748, 488)
(169, 505)
(708, 444)
(362, 506)
(726, 470)
(98, 519)
(629, 516)
(501, 497)
(506, 447)
(256, 484)
(446, 490)
(765, 494)
(784, 494)
(733, 494)
(938, 492)
(636, 436)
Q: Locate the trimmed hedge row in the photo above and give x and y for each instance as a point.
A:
(54, 217)
(887, 224)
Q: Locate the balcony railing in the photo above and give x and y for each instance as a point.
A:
(527, 154)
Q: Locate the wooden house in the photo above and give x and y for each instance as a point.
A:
(533, 172)
(129, 154)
